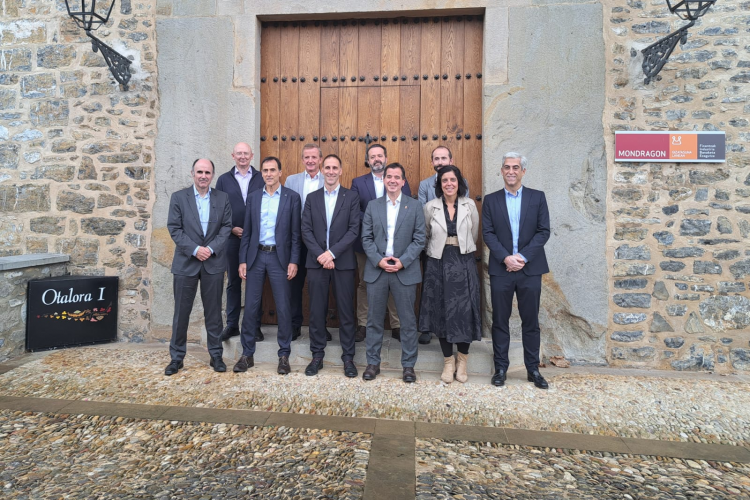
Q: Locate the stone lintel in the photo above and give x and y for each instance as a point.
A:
(31, 260)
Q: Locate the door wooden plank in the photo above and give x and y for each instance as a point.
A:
(368, 117)
(329, 120)
(270, 91)
(309, 89)
(411, 33)
(329, 53)
(391, 53)
(409, 127)
(347, 129)
(370, 41)
(431, 40)
(289, 107)
(451, 88)
(471, 161)
(389, 121)
(349, 53)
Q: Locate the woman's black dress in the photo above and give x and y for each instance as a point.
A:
(450, 293)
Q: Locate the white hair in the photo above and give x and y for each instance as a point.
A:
(512, 154)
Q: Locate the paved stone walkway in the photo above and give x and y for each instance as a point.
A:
(104, 422)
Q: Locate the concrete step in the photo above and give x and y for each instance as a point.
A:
(430, 356)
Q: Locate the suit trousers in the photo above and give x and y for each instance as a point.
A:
(362, 297)
(377, 293)
(234, 282)
(266, 263)
(185, 288)
(528, 290)
(318, 283)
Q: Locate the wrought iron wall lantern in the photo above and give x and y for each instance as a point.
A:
(656, 55)
(89, 17)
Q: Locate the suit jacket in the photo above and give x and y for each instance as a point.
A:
(344, 228)
(436, 228)
(533, 231)
(296, 183)
(228, 183)
(287, 228)
(364, 186)
(427, 189)
(184, 226)
(408, 238)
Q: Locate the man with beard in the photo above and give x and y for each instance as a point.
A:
(370, 187)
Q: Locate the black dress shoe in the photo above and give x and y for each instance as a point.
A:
(284, 367)
(329, 337)
(425, 338)
(229, 332)
(537, 378)
(409, 375)
(173, 368)
(498, 379)
(259, 335)
(218, 364)
(350, 370)
(396, 334)
(296, 332)
(361, 334)
(314, 367)
(371, 372)
(243, 364)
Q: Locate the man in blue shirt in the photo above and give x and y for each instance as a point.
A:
(199, 221)
(515, 226)
(270, 246)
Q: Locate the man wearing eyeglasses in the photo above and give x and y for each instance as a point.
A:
(199, 221)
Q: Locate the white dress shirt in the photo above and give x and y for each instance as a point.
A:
(379, 186)
(330, 198)
(392, 213)
(243, 181)
(311, 184)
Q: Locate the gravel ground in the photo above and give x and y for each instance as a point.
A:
(696, 410)
(470, 471)
(76, 457)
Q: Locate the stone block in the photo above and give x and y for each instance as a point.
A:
(36, 244)
(120, 213)
(676, 310)
(626, 252)
(743, 209)
(687, 296)
(87, 170)
(731, 287)
(55, 56)
(625, 195)
(8, 99)
(38, 86)
(49, 113)
(108, 200)
(138, 173)
(724, 225)
(93, 60)
(726, 255)
(139, 258)
(660, 291)
(628, 318)
(24, 198)
(119, 158)
(626, 336)
(135, 240)
(670, 209)
(695, 227)
(740, 269)
(708, 177)
(631, 284)
(659, 324)
(75, 202)
(706, 267)
(646, 353)
(696, 211)
(630, 233)
(15, 60)
(664, 237)
(683, 252)
(639, 300)
(101, 226)
(82, 251)
(9, 156)
(740, 359)
(621, 269)
(48, 225)
(725, 312)
(63, 146)
(744, 227)
(674, 342)
(672, 266)
(100, 147)
(698, 359)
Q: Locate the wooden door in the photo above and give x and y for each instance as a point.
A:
(411, 84)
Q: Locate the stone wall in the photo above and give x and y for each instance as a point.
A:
(15, 274)
(76, 151)
(678, 233)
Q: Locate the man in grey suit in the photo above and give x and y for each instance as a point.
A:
(199, 221)
(269, 247)
(393, 235)
(303, 184)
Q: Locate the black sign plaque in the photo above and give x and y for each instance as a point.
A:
(71, 310)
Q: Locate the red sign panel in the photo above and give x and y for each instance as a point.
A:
(693, 147)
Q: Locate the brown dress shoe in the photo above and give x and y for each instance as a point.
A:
(396, 334)
(361, 334)
(284, 367)
(243, 364)
(371, 372)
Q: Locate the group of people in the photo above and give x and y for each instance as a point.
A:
(315, 229)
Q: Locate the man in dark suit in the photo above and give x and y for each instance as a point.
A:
(515, 226)
(199, 221)
(393, 236)
(241, 180)
(269, 247)
(369, 187)
(330, 226)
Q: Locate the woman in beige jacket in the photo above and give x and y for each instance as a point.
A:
(450, 288)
